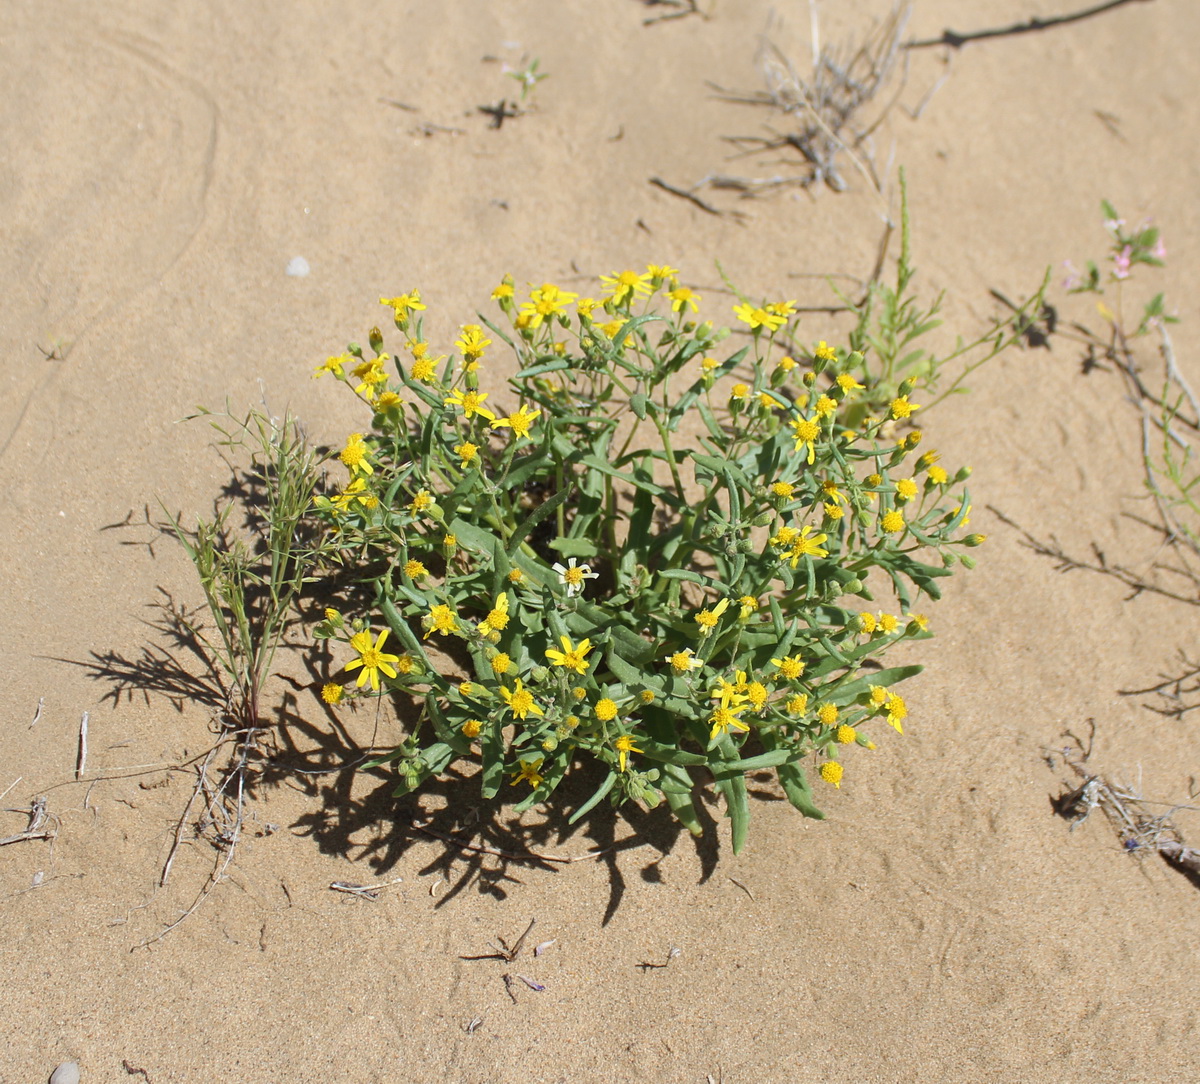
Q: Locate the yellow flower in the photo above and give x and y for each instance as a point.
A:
(519, 421)
(879, 695)
(571, 657)
(758, 318)
(739, 392)
(798, 704)
(681, 298)
(472, 344)
(709, 364)
(844, 734)
(371, 374)
(585, 305)
(888, 623)
(866, 622)
(516, 576)
(723, 718)
(371, 658)
(783, 490)
(892, 522)
(707, 619)
(657, 273)
(824, 352)
(414, 569)
(332, 693)
(354, 455)
(827, 714)
(403, 305)
(423, 369)
(683, 662)
(420, 503)
(938, 476)
(848, 384)
(471, 403)
(831, 772)
(472, 727)
(606, 710)
(756, 693)
(466, 452)
(782, 308)
(519, 701)
(790, 666)
(497, 618)
(647, 697)
(336, 365)
(906, 489)
(825, 407)
(803, 546)
(405, 664)
(529, 772)
(806, 431)
(545, 301)
(441, 619)
(504, 290)
(897, 712)
(624, 746)
(501, 663)
(785, 364)
(748, 605)
(902, 408)
(625, 285)
(388, 403)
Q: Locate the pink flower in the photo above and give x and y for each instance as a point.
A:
(1121, 263)
(1159, 251)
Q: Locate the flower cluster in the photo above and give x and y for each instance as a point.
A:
(649, 546)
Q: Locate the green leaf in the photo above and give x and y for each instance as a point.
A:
(737, 807)
(637, 403)
(794, 780)
(676, 785)
(591, 803)
(493, 758)
(534, 518)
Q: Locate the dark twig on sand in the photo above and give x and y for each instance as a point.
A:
(1032, 25)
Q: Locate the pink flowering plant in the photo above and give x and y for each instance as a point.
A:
(656, 547)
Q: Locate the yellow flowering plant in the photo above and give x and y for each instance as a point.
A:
(649, 548)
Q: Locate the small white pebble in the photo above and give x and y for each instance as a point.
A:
(67, 1073)
(297, 267)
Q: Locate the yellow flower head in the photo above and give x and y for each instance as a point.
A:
(707, 619)
(806, 430)
(827, 714)
(831, 772)
(332, 693)
(497, 618)
(626, 285)
(902, 408)
(414, 569)
(759, 318)
(471, 403)
(441, 619)
(824, 352)
(790, 666)
(520, 421)
(681, 298)
(624, 746)
(372, 659)
(606, 710)
(472, 343)
(529, 772)
(355, 454)
(520, 701)
(572, 657)
(683, 662)
(404, 304)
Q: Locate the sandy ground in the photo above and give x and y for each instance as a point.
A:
(165, 162)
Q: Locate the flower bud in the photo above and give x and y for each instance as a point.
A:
(974, 540)
(539, 674)
(375, 338)
(962, 475)
(968, 562)
(906, 387)
(763, 519)
(355, 349)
